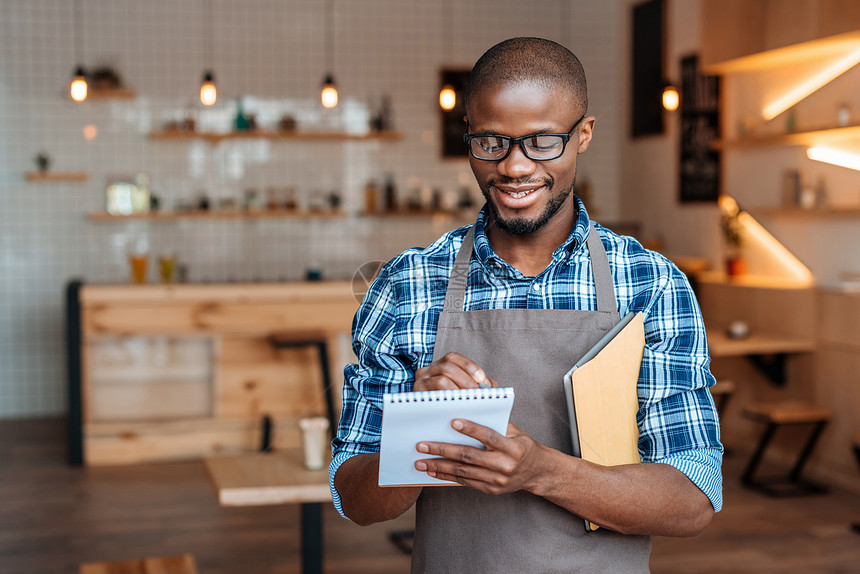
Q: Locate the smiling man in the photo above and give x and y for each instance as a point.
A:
(514, 300)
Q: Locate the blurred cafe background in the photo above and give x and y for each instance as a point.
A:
(195, 195)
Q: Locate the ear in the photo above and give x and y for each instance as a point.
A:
(585, 131)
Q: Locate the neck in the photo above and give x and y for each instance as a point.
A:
(532, 253)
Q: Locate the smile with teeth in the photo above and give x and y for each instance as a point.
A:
(519, 194)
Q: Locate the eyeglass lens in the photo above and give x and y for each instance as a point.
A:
(535, 147)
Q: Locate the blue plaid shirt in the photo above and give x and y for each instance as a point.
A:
(394, 332)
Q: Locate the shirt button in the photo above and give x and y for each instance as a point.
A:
(536, 287)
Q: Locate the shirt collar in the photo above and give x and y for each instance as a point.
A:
(575, 240)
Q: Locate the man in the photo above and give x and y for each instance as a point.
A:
(535, 284)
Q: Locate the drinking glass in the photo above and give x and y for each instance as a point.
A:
(138, 263)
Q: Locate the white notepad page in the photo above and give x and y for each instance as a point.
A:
(409, 418)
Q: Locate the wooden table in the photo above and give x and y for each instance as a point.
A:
(766, 351)
(259, 479)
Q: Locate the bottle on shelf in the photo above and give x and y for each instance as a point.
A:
(820, 193)
(271, 199)
(290, 201)
(436, 199)
(415, 201)
(465, 201)
(316, 200)
(791, 188)
(371, 195)
(251, 200)
(240, 122)
(390, 194)
(203, 201)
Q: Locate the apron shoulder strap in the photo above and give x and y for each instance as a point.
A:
(455, 295)
(601, 272)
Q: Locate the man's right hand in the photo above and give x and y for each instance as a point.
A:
(453, 371)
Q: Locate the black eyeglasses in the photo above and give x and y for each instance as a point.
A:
(536, 147)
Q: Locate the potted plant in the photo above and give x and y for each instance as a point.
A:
(43, 161)
(733, 236)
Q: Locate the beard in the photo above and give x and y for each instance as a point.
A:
(522, 225)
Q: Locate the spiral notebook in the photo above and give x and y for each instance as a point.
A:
(409, 418)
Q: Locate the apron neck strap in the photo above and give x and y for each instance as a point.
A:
(455, 295)
(602, 274)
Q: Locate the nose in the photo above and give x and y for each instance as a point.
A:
(516, 165)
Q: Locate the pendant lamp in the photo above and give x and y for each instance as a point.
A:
(208, 92)
(78, 88)
(671, 99)
(447, 97)
(328, 96)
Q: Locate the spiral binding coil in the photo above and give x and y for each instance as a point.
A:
(448, 395)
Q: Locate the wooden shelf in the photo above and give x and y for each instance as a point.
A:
(277, 214)
(177, 135)
(816, 213)
(210, 215)
(804, 138)
(46, 176)
(419, 213)
(752, 281)
(796, 53)
(721, 345)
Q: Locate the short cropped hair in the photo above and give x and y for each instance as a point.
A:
(529, 60)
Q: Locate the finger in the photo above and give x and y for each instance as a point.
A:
(438, 374)
(468, 365)
(511, 447)
(487, 436)
(468, 475)
(435, 383)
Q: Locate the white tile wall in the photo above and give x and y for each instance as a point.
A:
(272, 52)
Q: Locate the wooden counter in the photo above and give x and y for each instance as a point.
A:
(721, 345)
(818, 333)
(186, 371)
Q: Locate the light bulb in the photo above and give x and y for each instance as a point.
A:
(208, 93)
(670, 98)
(329, 93)
(447, 98)
(78, 88)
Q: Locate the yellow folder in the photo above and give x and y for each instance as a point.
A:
(602, 400)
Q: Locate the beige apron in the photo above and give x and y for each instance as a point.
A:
(459, 529)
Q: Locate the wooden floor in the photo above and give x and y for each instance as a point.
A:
(54, 517)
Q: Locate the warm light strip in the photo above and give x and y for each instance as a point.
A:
(811, 85)
(768, 242)
(834, 157)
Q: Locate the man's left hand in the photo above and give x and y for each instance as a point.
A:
(511, 462)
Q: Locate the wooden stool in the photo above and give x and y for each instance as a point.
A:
(722, 392)
(170, 565)
(781, 414)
